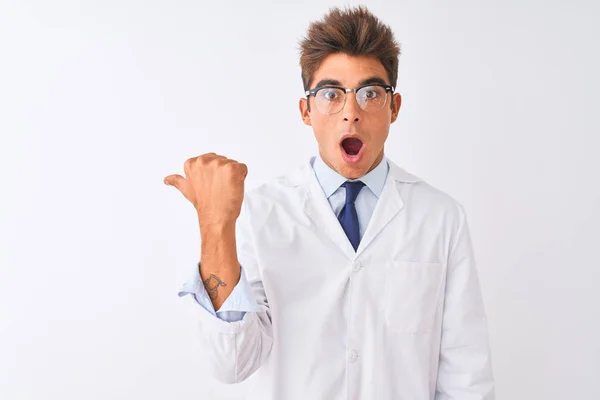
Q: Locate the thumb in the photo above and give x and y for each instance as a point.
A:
(181, 184)
(177, 181)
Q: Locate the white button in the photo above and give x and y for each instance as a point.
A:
(353, 356)
(356, 266)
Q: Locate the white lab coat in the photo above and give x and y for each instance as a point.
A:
(401, 318)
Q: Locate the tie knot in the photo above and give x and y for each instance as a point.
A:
(352, 189)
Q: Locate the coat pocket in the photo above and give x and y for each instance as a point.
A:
(412, 291)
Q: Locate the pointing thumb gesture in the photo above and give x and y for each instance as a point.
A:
(214, 184)
(181, 184)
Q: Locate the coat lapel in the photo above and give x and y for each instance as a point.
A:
(317, 207)
(388, 206)
(390, 203)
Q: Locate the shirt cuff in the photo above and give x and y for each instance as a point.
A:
(240, 301)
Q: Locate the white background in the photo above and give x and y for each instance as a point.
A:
(100, 100)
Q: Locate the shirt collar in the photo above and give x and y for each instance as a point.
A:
(330, 180)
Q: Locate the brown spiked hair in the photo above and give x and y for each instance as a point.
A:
(352, 31)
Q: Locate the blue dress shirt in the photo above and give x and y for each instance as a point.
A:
(241, 300)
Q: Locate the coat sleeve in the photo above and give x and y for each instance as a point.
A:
(465, 368)
(235, 350)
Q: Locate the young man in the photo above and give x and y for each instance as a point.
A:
(349, 278)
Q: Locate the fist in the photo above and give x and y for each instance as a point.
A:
(214, 185)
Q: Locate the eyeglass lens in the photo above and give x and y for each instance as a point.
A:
(332, 100)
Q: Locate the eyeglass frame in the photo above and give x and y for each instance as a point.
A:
(313, 93)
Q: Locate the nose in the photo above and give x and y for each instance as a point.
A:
(351, 111)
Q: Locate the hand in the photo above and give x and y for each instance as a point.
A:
(214, 184)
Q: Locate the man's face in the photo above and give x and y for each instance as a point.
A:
(351, 158)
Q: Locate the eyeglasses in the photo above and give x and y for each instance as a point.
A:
(332, 99)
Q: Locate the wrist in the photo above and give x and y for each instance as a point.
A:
(217, 227)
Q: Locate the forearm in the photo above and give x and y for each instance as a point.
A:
(238, 354)
(219, 265)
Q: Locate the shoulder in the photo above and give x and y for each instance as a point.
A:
(421, 195)
(284, 191)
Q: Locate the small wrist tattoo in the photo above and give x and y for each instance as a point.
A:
(212, 284)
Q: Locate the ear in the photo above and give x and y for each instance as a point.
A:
(304, 113)
(396, 106)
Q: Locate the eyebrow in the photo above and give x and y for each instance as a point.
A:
(335, 82)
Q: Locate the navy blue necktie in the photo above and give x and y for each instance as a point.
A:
(348, 217)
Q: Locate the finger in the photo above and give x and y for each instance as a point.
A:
(175, 180)
(188, 164)
(208, 157)
(244, 168)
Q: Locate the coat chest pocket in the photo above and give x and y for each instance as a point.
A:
(412, 291)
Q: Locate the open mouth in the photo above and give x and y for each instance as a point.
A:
(352, 146)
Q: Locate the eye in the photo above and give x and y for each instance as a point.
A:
(329, 94)
(371, 94)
